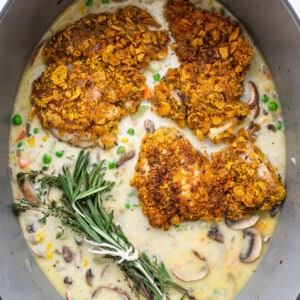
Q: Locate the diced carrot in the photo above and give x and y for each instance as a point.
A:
(21, 135)
(23, 162)
(261, 225)
(147, 94)
(202, 239)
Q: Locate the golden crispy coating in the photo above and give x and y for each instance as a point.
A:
(175, 182)
(87, 97)
(206, 36)
(93, 79)
(167, 175)
(119, 38)
(205, 91)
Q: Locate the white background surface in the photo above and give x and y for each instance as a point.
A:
(2, 3)
(295, 4)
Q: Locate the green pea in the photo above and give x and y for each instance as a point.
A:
(89, 3)
(105, 1)
(121, 150)
(36, 130)
(272, 106)
(264, 98)
(279, 126)
(111, 165)
(47, 159)
(156, 77)
(59, 153)
(127, 205)
(130, 131)
(20, 144)
(17, 120)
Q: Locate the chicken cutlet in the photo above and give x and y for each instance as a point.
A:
(93, 76)
(121, 38)
(176, 182)
(82, 102)
(205, 91)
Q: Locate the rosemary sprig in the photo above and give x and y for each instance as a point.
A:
(81, 210)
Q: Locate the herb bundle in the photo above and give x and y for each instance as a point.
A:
(81, 209)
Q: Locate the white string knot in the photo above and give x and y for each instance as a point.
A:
(107, 249)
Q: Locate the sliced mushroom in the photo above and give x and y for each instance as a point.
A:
(78, 239)
(253, 100)
(253, 245)
(215, 234)
(113, 288)
(30, 228)
(27, 128)
(104, 270)
(38, 251)
(266, 238)
(195, 268)
(273, 212)
(67, 254)
(89, 276)
(68, 280)
(242, 224)
(127, 156)
(149, 126)
(78, 259)
(271, 127)
(68, 295)
(28, 189)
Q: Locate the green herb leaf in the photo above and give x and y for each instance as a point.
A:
(80, 209)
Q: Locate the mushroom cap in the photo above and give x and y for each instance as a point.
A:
(242, 224)
(195, 268)
(253, 245)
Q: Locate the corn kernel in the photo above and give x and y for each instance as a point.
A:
(124, 140)
(85, 262)
(31, 142)
(39, 236)
(267, 87)
(49, 254)
(49, 246)
(44, 138)
(83, 9)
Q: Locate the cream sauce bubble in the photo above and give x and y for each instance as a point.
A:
(227, 274)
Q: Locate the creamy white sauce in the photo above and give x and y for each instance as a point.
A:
(226, 275)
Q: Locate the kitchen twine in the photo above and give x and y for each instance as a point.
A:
(130, 255)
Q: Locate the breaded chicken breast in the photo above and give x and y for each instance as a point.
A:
(121, 38)
(93, 76)
(81, 102)
(176, 182)
(205, 91)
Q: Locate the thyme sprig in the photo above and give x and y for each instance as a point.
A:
(81, 210)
